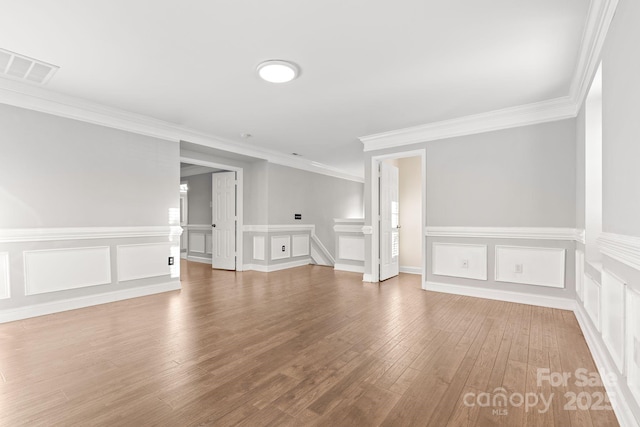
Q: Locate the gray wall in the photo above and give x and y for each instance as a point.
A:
(580, 169)
(57, 172)
(521, 177)
(199, 198)
(319, 198)
(621, 122)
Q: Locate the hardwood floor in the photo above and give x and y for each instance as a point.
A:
(306, 346)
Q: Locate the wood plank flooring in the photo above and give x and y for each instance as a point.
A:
(305, 346)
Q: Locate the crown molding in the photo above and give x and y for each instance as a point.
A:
(522, 115)
(46, 101)
(597, 25)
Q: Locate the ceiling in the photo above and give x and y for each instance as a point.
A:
(368, 66)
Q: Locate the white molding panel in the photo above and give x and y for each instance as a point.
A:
(11, 315)
(197, 242)
(592, 300)
(53, 270)
(259, 248)
(208, 243)
(533, 233)
(351, 248)
(530, 265)
(300, 245)
(612, 316)
(349, 268)
(580, 274)
(5, 283)
(633, 342)
(17, 235)
(277, 243)
(348, 228)
(144, 260)
(625, 249)
(459, 260)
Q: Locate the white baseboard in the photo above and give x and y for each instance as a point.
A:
(201, 260)
(411, 270)
(367, 278)
(13, 314)
(509, 296)
(348, 267)
(605, 366)
(276, 267)
(183, 255)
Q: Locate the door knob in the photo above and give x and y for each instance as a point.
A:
(214, 226)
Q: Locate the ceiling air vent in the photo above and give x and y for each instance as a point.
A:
(22, 67)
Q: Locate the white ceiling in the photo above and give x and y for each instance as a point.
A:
(368, 66)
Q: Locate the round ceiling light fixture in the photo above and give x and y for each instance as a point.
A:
(278, 71)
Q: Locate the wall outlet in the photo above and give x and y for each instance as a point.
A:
(284, 249)
(297, 216)
(170, 260)
(518, 269)
(464, 263)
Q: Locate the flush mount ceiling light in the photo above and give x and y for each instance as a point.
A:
(278, 71)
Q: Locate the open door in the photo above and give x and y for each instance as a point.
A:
(224, 221)
(389, 215)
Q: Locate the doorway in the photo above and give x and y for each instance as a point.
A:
(398, 207)
(211, 213)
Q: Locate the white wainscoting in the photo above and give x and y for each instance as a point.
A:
(197, 242)
(459, 260)
(580, 275)
(299, 245)
(5, 283)
(592, 300)
(633, 342)
(277, 243)
(141, 261)
(259, 248)
(612, 316)
(530, 265)
(52, 270)
(351, 248)
(208, 243)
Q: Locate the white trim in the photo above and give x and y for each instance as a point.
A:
(522, 115)
(605, 366)
(198, 227)
(17, 235)
(340, 228)
(276, 228)
(195, 170)
(534, 233)
(367, 230)
(625, 249)
(201, 260)
(50, 102)
(580, 236)
(411, 270)
(599, 19)
(509, 296)
(349, 268)
(277, 267)
(325, 252)
(367, 278)
(5, 290)
(349, 220)
(10, 315)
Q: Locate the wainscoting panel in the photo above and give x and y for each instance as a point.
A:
(5, 286)
(258, 248)
(280, 247)
(592, 300)
(613, 317)
(460, 260)
(53, 270)
(144, 260)
(580, 275)
(208, 243)
(197, 242)
(633, 342)
(299, 245)
(530, 266)
(351, 248)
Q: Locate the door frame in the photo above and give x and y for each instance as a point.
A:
(239, 201)
(375, 206)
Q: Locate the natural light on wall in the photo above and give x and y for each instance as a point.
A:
(593, 168)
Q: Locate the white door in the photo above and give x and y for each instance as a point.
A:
(389, 215)
(223, 221)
